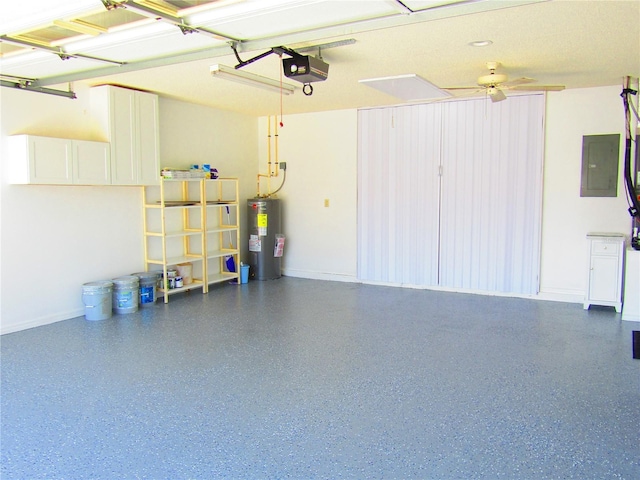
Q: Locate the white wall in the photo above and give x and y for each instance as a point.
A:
(567, 217)
(321, 154)
(227, 141)
(55, 238)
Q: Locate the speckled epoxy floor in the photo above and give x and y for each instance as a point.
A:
(306, 379)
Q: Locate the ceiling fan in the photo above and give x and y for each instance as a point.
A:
(494, 84)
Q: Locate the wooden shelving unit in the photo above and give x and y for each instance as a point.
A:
(192, 221)
(222, 230)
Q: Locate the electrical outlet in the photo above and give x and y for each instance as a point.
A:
(283, 165)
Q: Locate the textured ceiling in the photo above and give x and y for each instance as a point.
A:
(572, 43)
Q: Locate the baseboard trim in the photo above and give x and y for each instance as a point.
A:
(630, 318)
(334, 277)
(41, 321)
(565, 296)
(568, 296)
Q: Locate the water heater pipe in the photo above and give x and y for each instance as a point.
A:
(275, 170)
(267, 175)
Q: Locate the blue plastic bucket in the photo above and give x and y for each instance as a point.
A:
(148, 287)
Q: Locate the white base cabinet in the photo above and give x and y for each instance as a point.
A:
(41, 160)
(605, 270)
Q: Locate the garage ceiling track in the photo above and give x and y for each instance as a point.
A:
(96, 41)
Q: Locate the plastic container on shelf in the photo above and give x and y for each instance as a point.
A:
(185, 270)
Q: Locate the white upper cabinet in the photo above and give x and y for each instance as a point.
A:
(57, 161)
(91, 163)
(129, 118)
(148, 139)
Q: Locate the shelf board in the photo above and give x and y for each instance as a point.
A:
(185, 205)
(188, 179)
(222, 253)
(223, 228)
(221, 277)
(196, 283)
(176, 260)
(179, 233)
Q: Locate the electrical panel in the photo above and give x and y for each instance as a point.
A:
(600, 160)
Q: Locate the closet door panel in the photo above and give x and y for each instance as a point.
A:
(398, 195)
(373, 192)
(491, 201)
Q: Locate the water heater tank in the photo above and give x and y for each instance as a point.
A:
(264, 227)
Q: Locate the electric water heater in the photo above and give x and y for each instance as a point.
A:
(266, 241)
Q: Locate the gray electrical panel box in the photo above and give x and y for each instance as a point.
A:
(600, 159)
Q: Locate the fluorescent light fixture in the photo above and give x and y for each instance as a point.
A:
(407, 87)
(246, 78)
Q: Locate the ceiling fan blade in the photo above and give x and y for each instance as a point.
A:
(460, 88)
(471, 93)
(457, 96)
(517, 81)
(539, 88)
(496, 95)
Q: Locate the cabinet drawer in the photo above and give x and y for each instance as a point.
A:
(602, 247)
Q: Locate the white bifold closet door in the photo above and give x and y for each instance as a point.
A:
(491, 195)
(398, 194)
(450, 194)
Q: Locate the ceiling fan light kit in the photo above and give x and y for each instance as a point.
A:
(492, 79)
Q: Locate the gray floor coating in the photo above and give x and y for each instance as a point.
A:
(306, 379)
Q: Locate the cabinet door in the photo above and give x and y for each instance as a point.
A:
(122, 124)
(91, 163)
(50, 161)
(130, 121)
(603, 281)
(148, 168)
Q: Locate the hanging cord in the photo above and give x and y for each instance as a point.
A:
(281, 95)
